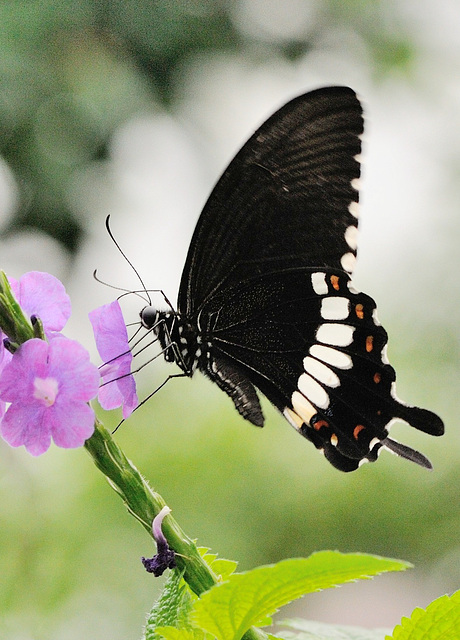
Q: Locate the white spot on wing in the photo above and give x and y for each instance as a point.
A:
(313, 391)
(353, 208)
(293, 418)
(394, 394)
(318, 282)
(331, 356)
(351, 236)
(338, 335)
(375, 319)
(391, 422)
(335, 308)
(351, 288)
(373, 442)
(384, 354)
(303, 407)
(356, 184)
(348, 261)
(322, 373)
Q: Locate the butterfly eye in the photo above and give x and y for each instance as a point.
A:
(149, 317)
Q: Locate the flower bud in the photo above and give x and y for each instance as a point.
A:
(13, 322)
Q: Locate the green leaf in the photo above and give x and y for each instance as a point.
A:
(171, 633)
(310, 630)
(172, 607)
(170, 613)
(222, 567)
(228, 610)
(439, 621)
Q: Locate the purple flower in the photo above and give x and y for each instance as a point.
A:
(38, 294)
(41, 294)
(165, 558)
(118, 385)
(5, 357)
(48, 386)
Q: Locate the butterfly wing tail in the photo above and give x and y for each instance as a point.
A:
(421, 419)
(406, 452)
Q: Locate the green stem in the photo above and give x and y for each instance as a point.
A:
(13, 321)
(144, 504)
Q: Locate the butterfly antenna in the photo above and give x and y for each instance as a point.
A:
(125, 291)
(109, 231)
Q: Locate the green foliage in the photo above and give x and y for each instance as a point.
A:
(247, 599)
(228, 610)
(439, 621)
(172, 607)
(72, 72)
(309, 630)
(170, 614)
(169, 633)
(221, 567)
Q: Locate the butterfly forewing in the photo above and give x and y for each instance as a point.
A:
(287, 199)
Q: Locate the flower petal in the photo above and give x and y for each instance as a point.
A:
(43, 295)
(32, 419)
(119, 387)
(30, 360)
(69, 363)
(109, 331)
(25, 425)
(127, 388)
(5, 357)
(120, 392)
(71, 425)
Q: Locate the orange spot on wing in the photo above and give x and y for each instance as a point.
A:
(377, 377)
(357, 430)
(335, 282)
(319, 424)
(369, 343)
(359, 310)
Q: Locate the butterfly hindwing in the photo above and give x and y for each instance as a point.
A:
(314, 347)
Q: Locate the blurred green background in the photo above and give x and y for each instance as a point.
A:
(133, 108)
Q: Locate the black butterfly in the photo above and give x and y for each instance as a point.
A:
(266, 300)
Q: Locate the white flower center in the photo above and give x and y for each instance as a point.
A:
(46, 390)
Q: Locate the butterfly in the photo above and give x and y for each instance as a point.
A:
(266, 300)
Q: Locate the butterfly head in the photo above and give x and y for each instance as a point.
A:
(177, 338)
(150, 317)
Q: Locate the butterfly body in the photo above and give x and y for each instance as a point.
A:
(266, 300)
